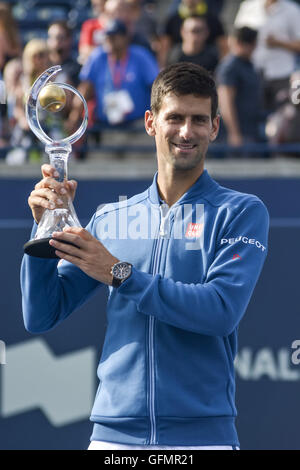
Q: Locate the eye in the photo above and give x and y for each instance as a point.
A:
(174, 118)
(201, 119)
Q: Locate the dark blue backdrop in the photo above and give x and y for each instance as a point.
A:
(267, 381)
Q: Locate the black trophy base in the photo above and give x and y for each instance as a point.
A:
(41, 248)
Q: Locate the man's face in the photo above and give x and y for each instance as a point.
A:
(183, 129)
(115, 43)
(194, 32)
(58, 40)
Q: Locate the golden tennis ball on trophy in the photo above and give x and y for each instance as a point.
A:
(52, 98)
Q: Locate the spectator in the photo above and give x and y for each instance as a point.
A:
(12, 76)
(91, 31)
(120, 76)
(277, 48)
(194, 33)
(283, 125)
(60, 52)
(144, 23)
(128, 12)
(10, 43)
(35, 60)
(145, 18)
(171, 29)
(213, 7)
(239, 89)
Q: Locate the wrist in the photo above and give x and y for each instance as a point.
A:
(120, 272)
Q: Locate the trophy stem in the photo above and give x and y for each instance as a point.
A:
(59, 154)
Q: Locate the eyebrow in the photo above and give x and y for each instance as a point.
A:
(176, 113)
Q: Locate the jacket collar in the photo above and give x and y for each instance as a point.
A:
(201, 186)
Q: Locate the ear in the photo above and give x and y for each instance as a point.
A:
(215, 128)
(149, 123)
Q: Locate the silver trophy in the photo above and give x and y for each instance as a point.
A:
(51, 96)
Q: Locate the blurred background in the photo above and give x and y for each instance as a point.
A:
(252, 47)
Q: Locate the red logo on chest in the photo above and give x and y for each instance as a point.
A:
(194, 230)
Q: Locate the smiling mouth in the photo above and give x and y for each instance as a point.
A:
(185, 146)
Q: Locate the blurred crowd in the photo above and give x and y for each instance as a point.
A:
(114, 55)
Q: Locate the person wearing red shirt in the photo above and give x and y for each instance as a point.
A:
(91, 34)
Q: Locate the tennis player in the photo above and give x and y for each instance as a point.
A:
(181, 261)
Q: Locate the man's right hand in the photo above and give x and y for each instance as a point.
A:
(46, 194)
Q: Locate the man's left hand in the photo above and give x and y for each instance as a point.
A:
(88, 253)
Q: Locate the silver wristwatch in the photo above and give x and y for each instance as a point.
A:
(120, 272)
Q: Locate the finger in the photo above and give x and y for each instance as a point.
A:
(70, 237)
(51, 183)
(66, 257)
(72, 187)
(66, 248)
(48, 170)
(81, 232)
(40, 202)
(47, 194)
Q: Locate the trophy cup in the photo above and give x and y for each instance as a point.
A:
(51, 96)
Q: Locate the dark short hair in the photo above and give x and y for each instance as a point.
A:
(184, 78)
(245, 35)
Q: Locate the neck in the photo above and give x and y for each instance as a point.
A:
(243, 56)
(119, 55)
(187, 49)
(172, 185)
(56, 58)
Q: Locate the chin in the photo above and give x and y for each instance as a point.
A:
(186, 165)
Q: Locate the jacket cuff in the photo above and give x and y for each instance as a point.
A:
(136, 285)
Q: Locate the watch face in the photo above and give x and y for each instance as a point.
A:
(121, 270)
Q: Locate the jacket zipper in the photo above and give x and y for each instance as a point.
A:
(156, 265)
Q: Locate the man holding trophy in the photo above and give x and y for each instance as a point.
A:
(178, 288)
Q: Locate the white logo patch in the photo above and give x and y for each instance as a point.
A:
(243, 239)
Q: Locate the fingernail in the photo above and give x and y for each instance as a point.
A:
(63, 191)
(51, 205)
(59, 201)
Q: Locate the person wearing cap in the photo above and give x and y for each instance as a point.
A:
(240, 90)
(119, 76)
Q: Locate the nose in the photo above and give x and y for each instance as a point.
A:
(186, 130)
